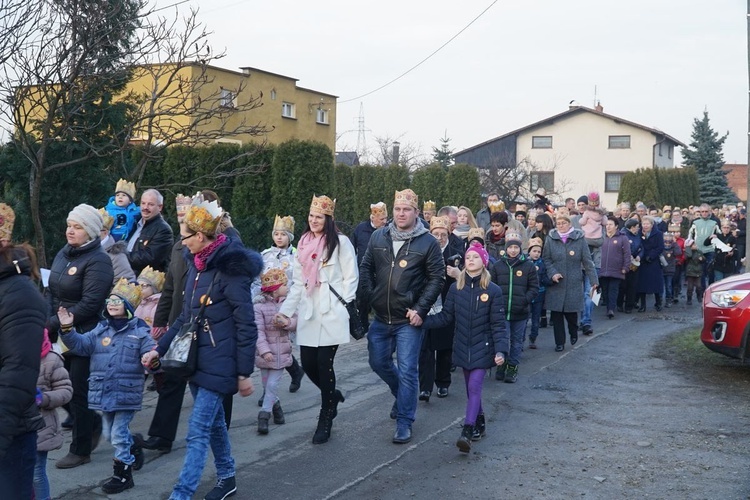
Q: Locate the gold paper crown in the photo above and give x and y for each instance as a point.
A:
(496, 206)
(284, 224)
(274, 276)
(429, 206)
(674, 228)
(7, 220)
(475, 232)
(183, 203)
(203, 216)
(535, 242)
(322, 205)
(521, 207)
(379, 208)
(108, 219)
(128, 291)
(440, 222)
(407, 197)
(126, 187)
(152, 277)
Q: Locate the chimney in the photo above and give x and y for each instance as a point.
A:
(396, 147)
(599, 108)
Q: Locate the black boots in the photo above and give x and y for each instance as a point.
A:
(338, 398)
(500, 372)
(263, 418)
(479, 428)
(642, 301)
(658, 302)
(137, 451)
(121, 480)
(278, 414)
(297, 373)
(511, 374)
(464, 442)
(323, 431)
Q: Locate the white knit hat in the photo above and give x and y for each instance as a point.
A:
(89, 218)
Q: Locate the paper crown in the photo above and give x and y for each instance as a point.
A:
(440, 222)
(272, 277)
(475, 232)
(203, 216)
(541, 192)
(284, 224)
(152, 277)
(7, 220)
(126, 187)
(673, 228)
(322, 205)
(593, 199)
(108, 219)
(496, 206)
(521, 207)
(379, 209)
(183, 203)
(127, 291)
(429, 206)
(406, 197)
(535, 242)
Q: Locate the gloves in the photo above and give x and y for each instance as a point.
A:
(39, 396)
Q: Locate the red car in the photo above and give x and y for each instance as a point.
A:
(726, 316)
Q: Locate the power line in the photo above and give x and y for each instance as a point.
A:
(170, 6)
(423, 60)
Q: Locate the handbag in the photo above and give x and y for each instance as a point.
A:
(356, 330)
(181, 358)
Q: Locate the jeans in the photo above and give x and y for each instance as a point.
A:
(403, 380)
(610, 291)
(115, 430)
(206, 427)
(720, 275)
(677, 281)
(668, 287)
(536, 315)
(588, 304)
(517, 330)
(41, 482)
(474, 380)
(706, 277)
(17, 467)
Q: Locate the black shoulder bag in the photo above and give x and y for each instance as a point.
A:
(356, 330)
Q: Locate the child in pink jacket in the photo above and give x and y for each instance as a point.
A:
(273, 350)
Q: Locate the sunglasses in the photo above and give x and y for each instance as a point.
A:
(114, 302)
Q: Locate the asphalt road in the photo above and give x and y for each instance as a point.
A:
(612, 418)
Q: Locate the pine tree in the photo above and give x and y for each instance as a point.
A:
(444, 154)
(705, 154)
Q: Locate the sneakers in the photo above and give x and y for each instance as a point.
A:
(464, 442)
(479, 428)
(587, 330)
(224, 488)
(511, 374)
(532, 342)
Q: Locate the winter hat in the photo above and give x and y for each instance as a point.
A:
(479, 249)
(593, 198)
(89, 218)
(583, 199)
(512, 239)
(631, 223)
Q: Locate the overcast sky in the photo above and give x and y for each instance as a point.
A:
(656, 62)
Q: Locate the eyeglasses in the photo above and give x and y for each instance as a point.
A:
(183, 238)
(114, 302)
(144, 285)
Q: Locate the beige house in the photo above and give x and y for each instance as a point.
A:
(577, 151)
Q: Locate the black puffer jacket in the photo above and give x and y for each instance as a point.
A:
(153, 246)
(170, 302)
(479, 316)
(23, 312)
(412, 279)
(520, 284)
(80, 279)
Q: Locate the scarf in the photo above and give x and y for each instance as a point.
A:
(46, 344)
(462, 230)
(309, 253)
(201, 258)
(397, 235)
(496, 238)
(564, 236)
(118, 323)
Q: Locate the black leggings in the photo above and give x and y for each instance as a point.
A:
(318, 365)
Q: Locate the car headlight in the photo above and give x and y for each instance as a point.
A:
(728, 298)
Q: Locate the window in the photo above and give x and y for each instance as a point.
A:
(670, 152)
(612, 181)
(227, 99)
(544, 180)
(287, 110)
(541, 142)
(322, 116)
(661, 149)
(273, 94)
(619, 142)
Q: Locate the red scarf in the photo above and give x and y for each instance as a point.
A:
(309, 253)
(201, 257)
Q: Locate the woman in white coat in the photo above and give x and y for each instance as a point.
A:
(325, 260)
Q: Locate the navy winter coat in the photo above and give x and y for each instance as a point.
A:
(227, 337)
(479, 316)
(519, 282)
(541, 273)
(360, 238)
(650, 274)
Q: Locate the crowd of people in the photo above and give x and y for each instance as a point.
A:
(436, 290)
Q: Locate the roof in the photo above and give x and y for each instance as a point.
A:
(573, 110)
(350, 158)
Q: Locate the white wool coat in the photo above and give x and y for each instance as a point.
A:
(322, 320)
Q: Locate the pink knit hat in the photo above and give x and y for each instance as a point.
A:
(479, 249)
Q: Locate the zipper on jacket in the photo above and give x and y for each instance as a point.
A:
(390, 276)
(510, 290)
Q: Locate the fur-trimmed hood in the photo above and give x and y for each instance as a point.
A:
(233, 259)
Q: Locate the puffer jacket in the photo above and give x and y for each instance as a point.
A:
(671, 254)
(694, 262)
(147, 308)
(519, 282)
(57, 390)
(226, 341)
(80, 279)
(479, 317)
(412, 279)
(116, 379)
(541, 273)
(271, 338)
(23, 312)
(118, 254)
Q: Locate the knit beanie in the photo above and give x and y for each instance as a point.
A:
(631, 223)
(583, 199)
(479, 249)
(89, 218)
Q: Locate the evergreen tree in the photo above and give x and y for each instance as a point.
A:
(705, 154)
(444, 154)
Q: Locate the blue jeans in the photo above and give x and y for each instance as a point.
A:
(588, 304)
(517, 330)
(536, 314)
(206, 427)
(403, 380)
(41, 482)
(17, 467)
(706, 277)
(668, 287)
(115, 430)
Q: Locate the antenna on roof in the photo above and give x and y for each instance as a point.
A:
(596, 100)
